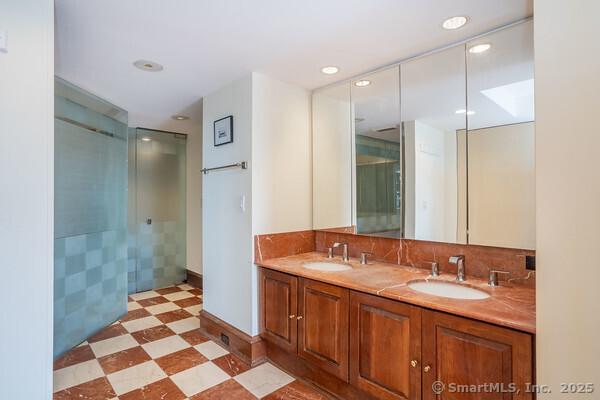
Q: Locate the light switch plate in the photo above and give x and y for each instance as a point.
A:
(3, 41)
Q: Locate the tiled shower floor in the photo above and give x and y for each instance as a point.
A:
(157, 352)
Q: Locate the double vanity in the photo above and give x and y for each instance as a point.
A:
(418, 276)
(385, 331)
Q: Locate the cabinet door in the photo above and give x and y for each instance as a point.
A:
(323, 326)
(385, 337)
(460, 351)
(279, 297)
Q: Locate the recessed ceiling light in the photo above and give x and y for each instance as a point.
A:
(146, 65)
(454, 22)
(462, 111)
(479, 48)
(146, 139)
(330, 70)
(362, 83)
(179, 117)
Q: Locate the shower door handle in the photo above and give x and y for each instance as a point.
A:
(148, 221)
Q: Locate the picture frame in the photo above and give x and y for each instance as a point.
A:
(223, 131)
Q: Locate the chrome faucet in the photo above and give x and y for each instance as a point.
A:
(344, 247)
(459, 261)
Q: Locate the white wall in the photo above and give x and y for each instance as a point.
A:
(567, 98)
(281, 157)
(332, 157)
(430, 179)
(271, 132)
(26, 203)
(228, 272)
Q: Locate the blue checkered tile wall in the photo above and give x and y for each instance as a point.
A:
(160, 253)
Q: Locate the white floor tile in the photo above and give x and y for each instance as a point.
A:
(178, 295)
(264, 379)
(144, 295)
(184, 325)
(135, 377)
(211, 350)
(165, 346)
(133, 305)
(141, 323)
(77, 374)
(185, 286)
(200, 378)
(194, 310)
(113, 345)
(162, 308)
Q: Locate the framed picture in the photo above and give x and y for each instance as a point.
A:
(223, 130)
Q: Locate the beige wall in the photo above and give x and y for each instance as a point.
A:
(502, 186)
(567, 90)
(26, 200)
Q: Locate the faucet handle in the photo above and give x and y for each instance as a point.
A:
(456, 259)
(364, 257)
(435, 268)
(330, 252)
(493, 278)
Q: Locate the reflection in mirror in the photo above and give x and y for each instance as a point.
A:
(378, 192)
(332, 157)
(434, 119)
(501, 181)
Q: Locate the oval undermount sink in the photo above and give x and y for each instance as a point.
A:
(327, 266)
(448, 289)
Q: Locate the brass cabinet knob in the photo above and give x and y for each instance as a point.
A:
(292, 316)
(414, 363)
(299, 317)
(427, 368)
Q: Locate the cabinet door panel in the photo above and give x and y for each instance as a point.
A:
(385, 337)
(323, 328)
(279, 308)
(465, 352)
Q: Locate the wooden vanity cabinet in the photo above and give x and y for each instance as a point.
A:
(307, 318)
(323, 326)
(379, 348)
(466, 352)
(385, 347)
(279, 297)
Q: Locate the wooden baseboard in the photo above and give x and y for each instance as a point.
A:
(194, 279)
(306, 371)
(249, 348)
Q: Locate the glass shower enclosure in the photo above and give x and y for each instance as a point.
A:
(90, 215)
(157, 209)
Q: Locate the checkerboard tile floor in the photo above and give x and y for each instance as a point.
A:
(157, 352)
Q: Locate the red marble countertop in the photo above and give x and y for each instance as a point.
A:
(509, 305)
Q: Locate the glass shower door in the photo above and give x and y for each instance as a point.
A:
(160, 163)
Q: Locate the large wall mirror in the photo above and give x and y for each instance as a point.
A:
(437, 148)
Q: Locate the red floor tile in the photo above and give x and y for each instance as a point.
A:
(74, 356)
(164, 389)
(227, 390)
(98, 389)
(123, 359)
(180, 360)
(231, 364)
(152, 334)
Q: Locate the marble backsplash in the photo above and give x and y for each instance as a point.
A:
(416, 253)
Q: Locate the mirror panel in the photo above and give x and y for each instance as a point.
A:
(501, 164)
(434, 121)
(377, 170)
(332, 157)
(438, 148)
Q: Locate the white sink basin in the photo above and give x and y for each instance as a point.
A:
(448, 289)
(326, 266)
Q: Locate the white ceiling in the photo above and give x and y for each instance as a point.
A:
(204, 44)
